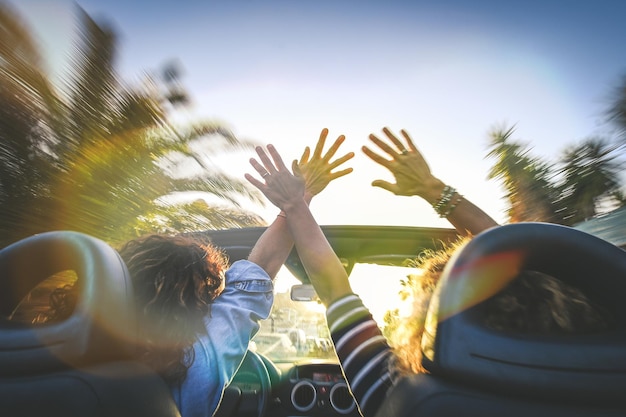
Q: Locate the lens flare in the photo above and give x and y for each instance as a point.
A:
(464, 285)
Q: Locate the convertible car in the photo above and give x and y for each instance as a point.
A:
(83, 366)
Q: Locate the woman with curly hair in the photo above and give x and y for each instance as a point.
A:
(197, 313)
(176, 280)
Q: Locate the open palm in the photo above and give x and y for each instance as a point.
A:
(317, 168)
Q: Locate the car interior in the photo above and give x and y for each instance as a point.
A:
(84, 365)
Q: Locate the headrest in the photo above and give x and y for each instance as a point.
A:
(587, 367)
(103, 323)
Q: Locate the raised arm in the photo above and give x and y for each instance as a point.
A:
(287, 192)
(274, 245)
(413, 177)
(361, 348)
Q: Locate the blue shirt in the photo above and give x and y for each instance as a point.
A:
(247, 298)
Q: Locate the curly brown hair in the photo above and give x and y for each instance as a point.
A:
(175, 280)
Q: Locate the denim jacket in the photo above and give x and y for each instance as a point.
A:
(247, 298)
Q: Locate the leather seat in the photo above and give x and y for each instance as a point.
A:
(84, 365)
(476, 371)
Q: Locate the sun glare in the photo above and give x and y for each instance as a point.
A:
(379, 287)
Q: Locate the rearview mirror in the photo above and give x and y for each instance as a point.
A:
(304, 292)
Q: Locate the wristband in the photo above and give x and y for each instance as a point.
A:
(446, 203)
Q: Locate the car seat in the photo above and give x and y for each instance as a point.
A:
(82, 366)
(476, 371)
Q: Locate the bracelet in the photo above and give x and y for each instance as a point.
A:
(452, 206)
(446, 203)
(281, 214)
(446, 195)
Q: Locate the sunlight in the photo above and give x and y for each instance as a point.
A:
(379, 287)
(284, 280)
(315, 307)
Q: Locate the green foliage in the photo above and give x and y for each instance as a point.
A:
(391, 324)
(590, 171)
(526, 179)
(567, 192)
(188, 217)
(96, 155)
(617, 109)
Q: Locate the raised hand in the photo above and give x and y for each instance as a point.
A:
(413, 177)
(281, 187)
(286, 191)
(317, 171)
(408, 166)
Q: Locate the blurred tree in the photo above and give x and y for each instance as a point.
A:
(395, 327)
(526, 180)
(27, 109)
(591, 173)
(95, 155)
(391, 325)
(585, 182)
(617, 109)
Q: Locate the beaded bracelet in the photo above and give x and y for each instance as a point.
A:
(446, 202)
(446, 195)
(453, 205)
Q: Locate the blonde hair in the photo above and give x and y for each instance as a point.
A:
(407, 338)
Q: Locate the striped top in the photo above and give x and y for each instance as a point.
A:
(362, 350)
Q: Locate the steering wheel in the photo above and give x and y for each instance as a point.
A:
(251, 380)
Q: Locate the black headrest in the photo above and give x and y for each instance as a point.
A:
(103, 323)
(587, 368)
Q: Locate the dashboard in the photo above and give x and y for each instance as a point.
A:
(321, 376)
(306, 389)
(312, 389)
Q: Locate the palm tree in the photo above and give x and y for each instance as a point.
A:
(96, 155)
(591, 171)
(526, 180)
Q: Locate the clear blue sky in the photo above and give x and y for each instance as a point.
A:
(447, 71)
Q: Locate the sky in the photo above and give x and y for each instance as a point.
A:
(447, 71)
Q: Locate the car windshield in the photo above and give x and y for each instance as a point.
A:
(297, 330)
